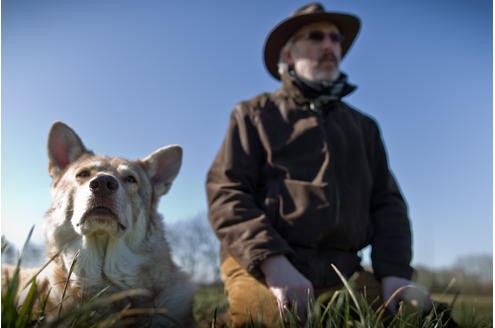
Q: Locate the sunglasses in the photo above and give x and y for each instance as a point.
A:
(319, 36)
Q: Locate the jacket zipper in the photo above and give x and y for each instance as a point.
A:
(322, 123)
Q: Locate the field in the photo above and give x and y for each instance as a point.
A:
(345, 310)
(468, 311)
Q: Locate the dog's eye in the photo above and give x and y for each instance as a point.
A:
(83, 174)
(130, 179)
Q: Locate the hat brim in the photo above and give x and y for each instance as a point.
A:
(348, 25)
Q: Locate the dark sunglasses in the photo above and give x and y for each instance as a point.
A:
(319, 36)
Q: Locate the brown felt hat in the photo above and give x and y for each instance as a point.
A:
(310, 13)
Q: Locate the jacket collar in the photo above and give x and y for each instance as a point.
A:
(317, 97)
(303, 92)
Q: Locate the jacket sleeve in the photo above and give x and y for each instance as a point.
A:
(391, 245)
(244, 230)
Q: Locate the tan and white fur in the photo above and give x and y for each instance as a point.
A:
(104, 215)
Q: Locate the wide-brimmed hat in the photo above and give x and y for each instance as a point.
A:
(311, 13)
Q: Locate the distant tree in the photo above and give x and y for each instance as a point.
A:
(195, 248)
(471, 274)
(478, 266)
(9, 252)
(32, 256)
(475, 273)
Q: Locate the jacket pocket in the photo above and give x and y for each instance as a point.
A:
(306, 211)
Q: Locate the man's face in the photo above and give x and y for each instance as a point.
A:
(315, 52)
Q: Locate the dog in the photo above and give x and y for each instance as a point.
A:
(105, 235)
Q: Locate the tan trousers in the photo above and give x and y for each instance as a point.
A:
(250, 301)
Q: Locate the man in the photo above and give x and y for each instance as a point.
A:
(302, 182)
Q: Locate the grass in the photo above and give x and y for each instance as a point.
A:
(32, 311)
(345, 308)
(470, 310)
(342, 309)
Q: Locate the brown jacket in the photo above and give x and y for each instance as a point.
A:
(313, 186)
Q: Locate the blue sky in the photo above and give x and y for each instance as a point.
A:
(132, 76)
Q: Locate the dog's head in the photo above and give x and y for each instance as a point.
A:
(94, 195)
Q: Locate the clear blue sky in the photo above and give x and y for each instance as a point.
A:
(132, 76)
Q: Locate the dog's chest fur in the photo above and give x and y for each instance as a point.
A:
(103, 262)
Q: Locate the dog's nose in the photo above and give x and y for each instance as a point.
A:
(103, 185)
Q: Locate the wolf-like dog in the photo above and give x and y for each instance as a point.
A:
(104, 225)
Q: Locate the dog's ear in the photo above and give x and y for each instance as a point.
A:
(162, 167)
(64, 147)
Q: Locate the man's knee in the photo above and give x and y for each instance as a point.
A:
(250, 301)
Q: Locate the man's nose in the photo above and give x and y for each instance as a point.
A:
(327, 43)
(329, 46)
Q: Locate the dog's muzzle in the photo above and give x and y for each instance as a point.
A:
(102, 208)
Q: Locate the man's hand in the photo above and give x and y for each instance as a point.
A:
(288, 285)
(407, 291)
